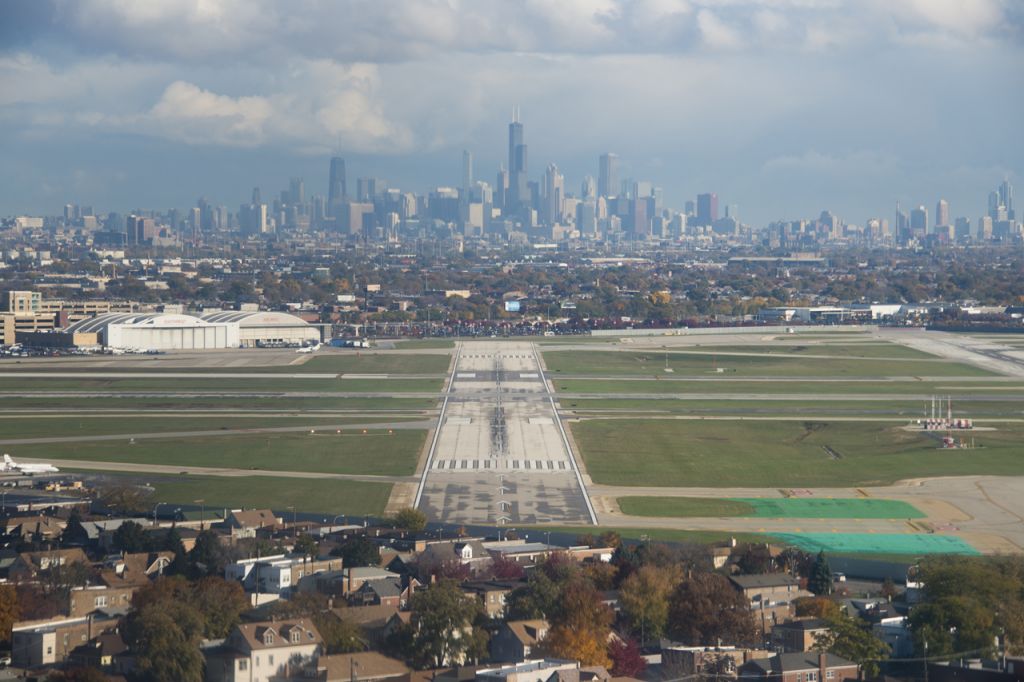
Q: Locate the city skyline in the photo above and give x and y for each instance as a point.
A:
(783, 108)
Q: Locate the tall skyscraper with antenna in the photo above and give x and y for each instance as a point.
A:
(337, 190)
(517, 191)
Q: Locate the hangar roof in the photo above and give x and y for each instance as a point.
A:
(262, 318)
(162, 320)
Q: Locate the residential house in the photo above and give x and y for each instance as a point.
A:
(85, 600)
(798, 635)
(679, 661)
(264, 651)
(372, 620)
(516, 640)
(544, 670)
(468, 552)
(493, 594)
(384, 592)
(50, 641)
(800, 667)
(277, 574)
(107, 652)
(137, 569)
(246, 523)
(771, 597)
(38, 528)
(366, 666)
(28, 565)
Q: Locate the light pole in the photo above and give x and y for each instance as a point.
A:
(157, 506)
(202, 514)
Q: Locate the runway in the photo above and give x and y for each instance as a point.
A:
(499, 454)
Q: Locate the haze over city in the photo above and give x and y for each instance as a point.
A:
(782, 108)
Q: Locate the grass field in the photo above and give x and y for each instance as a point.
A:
(878, 543)
(92, 425)
(306, 495)
(156, 385)
(851, 350)
(382, 363)
(666, 385)
(414, 344)
(374, 453)
(791, 508)
(610, 363)
(277, 404)
(825, 406)
(781, 453)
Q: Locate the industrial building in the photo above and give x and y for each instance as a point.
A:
(158, 331)
(178, 331)
(263, 328)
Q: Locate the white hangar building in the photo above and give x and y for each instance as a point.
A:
(159, 331)
(262, 327)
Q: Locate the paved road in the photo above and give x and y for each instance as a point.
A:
(420, 425)
(499, 454)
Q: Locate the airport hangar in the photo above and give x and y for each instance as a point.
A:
(176, 331)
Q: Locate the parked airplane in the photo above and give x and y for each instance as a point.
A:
(11, 466)
(309, 349)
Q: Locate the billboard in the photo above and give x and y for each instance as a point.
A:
(511, 306)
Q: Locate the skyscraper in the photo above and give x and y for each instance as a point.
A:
(467, 170)
(296, 192)
(1006, 198)
(707, 208)
(337, 191)
(517, 193)
(607, 175)
(919, 221)
(941, 214)
(554, 191)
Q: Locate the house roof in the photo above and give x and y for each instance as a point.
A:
(748, 582)
(804, 660)
(386, 587)
(253, 634)
(376, 615)
(253, 518)
(804, 624)
(368, 665)
(529, 632)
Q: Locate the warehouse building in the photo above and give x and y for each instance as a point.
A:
(266, 328)
(157, 331)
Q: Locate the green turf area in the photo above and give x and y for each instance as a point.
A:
(664, 385)
(763, 507)
(376, 453)
(878, 543)
(413, 344)
(909, 409)
(610, 363)
(850, 350)
(282, 403)
(328, 497)
(699, 537)
(216, 385)
(93, 425)
(781, 453)
(379, 363)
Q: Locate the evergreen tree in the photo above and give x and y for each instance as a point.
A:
(820, 579)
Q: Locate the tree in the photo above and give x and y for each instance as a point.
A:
(78, 675)
(340, 636)
(220, 603)
(705, 610)
(165, 639)
(503, 568)
(411, 519)
(443, 619)
(10, 611)
(208, 556)
(130, 537)
(820, 580)
(755, 558)
(644, 597)
(851, 639)
(306, 545)
(816, 607)
(537, 599)
(358, 552)
(627, 661)
(580, 626)
(125, 499)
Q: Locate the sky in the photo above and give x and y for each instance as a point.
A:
(784, 108)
